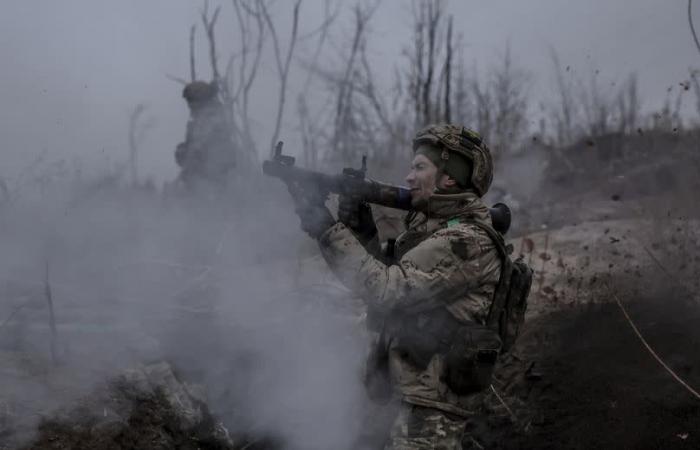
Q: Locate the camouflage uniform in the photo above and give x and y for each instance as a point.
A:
(444, 266)
(426, 428)
(207, 154)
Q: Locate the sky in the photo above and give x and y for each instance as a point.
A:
(74, 69)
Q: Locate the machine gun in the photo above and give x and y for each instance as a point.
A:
(353, 182)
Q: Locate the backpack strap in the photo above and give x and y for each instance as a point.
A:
(503, 287)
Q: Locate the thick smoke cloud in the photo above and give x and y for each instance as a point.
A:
(224, 295)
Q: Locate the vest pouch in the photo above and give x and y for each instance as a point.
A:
(470, 361)
(420, 337)
(419, 349)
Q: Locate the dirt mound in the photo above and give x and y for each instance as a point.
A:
(144, 408)
(583, 380)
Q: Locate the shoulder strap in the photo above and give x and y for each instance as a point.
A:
(503, 286)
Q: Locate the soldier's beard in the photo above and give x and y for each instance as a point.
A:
(420, 194)
(420, 202)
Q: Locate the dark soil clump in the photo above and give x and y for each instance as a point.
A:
(585, 381)
(125, 415)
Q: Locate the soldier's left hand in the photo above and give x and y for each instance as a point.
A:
(311, 209)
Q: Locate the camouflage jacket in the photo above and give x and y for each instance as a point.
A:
(442, 263)
(208, 148)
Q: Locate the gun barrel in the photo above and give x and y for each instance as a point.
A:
(371, 191)
(388, 195)
(289, 173)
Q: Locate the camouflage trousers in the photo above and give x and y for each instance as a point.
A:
(421, 428)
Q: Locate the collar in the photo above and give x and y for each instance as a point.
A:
(447, 206)
(443, 207)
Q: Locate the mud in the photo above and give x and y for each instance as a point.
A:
(585, 381)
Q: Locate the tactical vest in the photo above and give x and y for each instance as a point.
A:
(470, 350)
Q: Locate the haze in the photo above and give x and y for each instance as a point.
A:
(72, 70)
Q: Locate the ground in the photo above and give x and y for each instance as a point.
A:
(579, 377)
(587, 382)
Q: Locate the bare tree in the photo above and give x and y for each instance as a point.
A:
(344, 120)
(597, 107)
(310, 131)
(193, 71)
(694, 74)
(348, 88)
(464, 96)
(563, 113)
(282, 65)
(429, 16)
(483, 106)
(448, 72)
(692, 26)
(209, 27)
(510, 106)
(628, 106)
(238, 88)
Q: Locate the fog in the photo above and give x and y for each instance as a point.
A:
(74, 70)
(230, 291)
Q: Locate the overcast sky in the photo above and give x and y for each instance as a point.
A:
(73, 69)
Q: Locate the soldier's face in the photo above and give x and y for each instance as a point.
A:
(422, 180)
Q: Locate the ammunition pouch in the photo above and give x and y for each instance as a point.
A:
(470, 361)
(422, 336)
(469, 350)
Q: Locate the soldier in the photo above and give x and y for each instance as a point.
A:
(206, 157)
(430, 300)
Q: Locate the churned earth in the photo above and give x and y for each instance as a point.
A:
(579, 377)
(585, 380)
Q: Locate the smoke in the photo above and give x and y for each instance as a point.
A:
(231, 293)
(228, 293)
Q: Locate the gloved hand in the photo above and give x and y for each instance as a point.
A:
(357, 215)
(311, 209)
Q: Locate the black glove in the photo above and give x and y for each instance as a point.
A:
(357, 215)
(311, 209)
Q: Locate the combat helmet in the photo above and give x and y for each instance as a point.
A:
(199, 91)
(464, 142)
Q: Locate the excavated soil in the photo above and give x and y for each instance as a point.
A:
(125, 417)
(585, 381)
